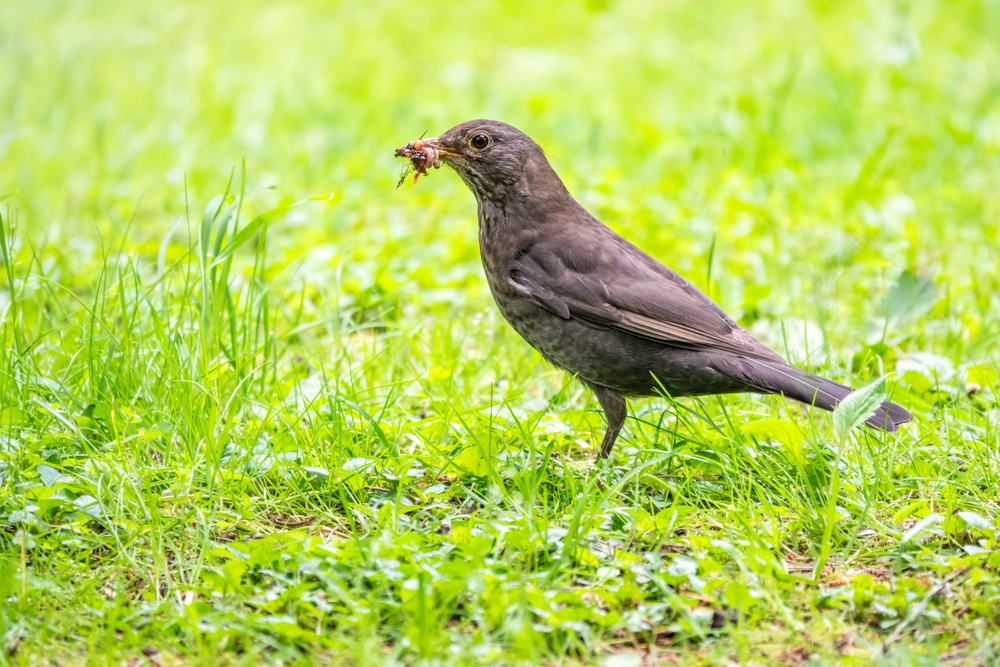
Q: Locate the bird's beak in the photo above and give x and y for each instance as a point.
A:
(435, 143)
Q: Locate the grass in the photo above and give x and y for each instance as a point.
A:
(257, 407)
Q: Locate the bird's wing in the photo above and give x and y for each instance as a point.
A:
(604, 280)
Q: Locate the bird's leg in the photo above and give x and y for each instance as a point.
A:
(615, 411)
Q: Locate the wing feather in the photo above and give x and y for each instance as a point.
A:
(614, 284)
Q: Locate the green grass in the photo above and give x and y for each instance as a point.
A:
(234, 431)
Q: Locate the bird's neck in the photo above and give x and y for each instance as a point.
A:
(535, 199)
(537, 202)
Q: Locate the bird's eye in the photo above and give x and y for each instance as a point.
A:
(480, 142)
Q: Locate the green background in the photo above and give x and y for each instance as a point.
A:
(329, 446)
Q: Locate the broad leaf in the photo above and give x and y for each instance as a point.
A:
(859, 406)
(976, 521)
(50, 476)
(911, 297)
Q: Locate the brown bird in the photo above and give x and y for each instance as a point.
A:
(597, 306)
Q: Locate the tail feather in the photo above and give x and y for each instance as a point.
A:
(811, 389)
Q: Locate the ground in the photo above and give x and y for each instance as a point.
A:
(257, 406)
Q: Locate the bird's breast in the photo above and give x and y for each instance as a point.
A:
(494, 244)
(498, 248)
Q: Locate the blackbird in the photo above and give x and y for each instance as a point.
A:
(597, 306)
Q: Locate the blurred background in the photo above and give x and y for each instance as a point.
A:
(823, 148)
(336, 393)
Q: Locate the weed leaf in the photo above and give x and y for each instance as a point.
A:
(859, 406)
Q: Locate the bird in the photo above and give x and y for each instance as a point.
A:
(594, 304)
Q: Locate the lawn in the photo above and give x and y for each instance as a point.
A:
(257, 405)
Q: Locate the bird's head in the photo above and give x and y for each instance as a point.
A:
(496, 160)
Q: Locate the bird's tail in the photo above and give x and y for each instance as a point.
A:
(813, 390)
